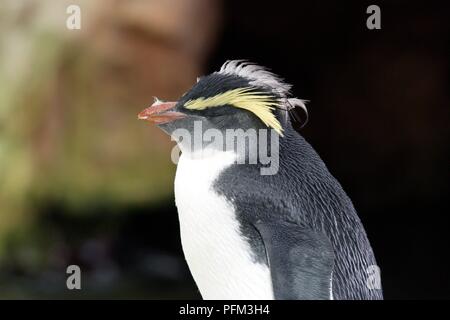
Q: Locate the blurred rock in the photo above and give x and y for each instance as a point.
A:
(69, 99)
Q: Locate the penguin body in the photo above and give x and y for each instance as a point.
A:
(218, 255)
(290, 235)
(303, 196)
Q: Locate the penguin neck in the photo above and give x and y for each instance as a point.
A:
(256, 147)
(209, 154)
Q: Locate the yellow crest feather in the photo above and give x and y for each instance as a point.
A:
(260, 104)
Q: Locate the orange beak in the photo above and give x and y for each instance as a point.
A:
(160, 113)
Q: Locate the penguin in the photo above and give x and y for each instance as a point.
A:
(289, 234)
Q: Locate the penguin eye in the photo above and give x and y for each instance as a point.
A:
(217, 111)
(260, 103)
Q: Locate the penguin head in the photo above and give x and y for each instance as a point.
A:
(241, 95)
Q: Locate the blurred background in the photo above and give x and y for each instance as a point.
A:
(83, 182)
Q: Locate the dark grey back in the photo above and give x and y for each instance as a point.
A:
(303, 192)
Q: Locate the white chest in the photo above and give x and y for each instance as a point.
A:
(219, 258)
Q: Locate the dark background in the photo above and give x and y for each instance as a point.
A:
(379, 110)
